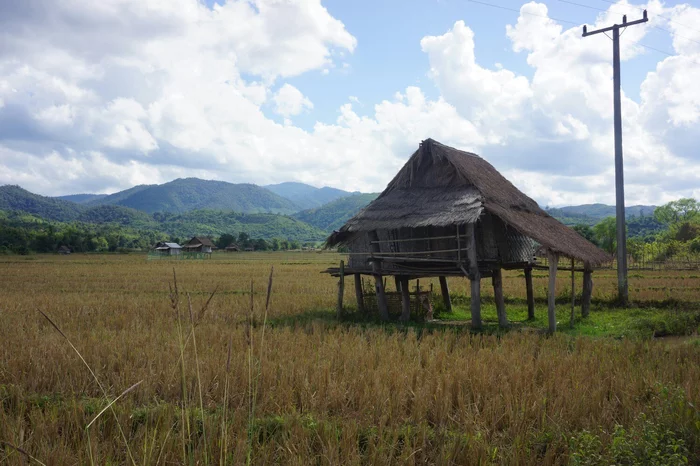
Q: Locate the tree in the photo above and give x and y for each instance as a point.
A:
(275, 244)
(585, 231)
(681, 211)
(606, 234)
(224, 240)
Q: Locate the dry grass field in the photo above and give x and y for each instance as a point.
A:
(219, 385)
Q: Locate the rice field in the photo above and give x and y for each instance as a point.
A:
(227, 379)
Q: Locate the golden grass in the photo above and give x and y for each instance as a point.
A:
(321, 393)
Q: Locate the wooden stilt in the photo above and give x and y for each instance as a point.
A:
(397, 282)
(530, 294)
(573, 292)
(497, 281)
(405, 300)
(341, 291)
(474, 278)
(378, 279)
(552, 292)
(587, 290)
(445, 294)
(359, 295)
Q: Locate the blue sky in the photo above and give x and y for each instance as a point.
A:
(388, 57)
(101, 96)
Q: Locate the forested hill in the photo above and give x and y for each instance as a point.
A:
(306, 196)
(81, 198)
(186, 194)
(16, 198)
(590, 214)
(334, 214)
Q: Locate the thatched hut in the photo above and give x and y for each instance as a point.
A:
(199, 244)
(451, 213)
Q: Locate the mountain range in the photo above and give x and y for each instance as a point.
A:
(192, 206)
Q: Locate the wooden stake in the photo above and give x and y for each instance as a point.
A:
(573, 292)
(587, 290)
(378, 280)
(474, 278)
(530, 294)
(405, 300)
(397, 282)
(552, 292)
(341, 291)
(497, 281)
(359, 295)
(445, 293)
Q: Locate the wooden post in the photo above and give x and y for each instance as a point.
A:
(552, 292)
(587, 290)
(359, 294)
(341, 291)
(474, 278)
(378, 280)
(530, 294)
(497, 282)
(397, 282)
(445, 293)
(573, 292)
(405, 300)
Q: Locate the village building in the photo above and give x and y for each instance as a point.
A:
(199, 244)
(63, 249)
(233, 247)
(168, 249)
(451, 213)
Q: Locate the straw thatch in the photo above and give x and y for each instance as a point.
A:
(441, 186)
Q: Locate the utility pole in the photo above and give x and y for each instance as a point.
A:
(622, 288)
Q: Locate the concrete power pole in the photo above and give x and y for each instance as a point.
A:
(622, 288)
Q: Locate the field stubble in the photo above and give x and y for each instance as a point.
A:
(325, 393)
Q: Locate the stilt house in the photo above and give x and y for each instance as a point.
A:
(451, 213)
(199, 244)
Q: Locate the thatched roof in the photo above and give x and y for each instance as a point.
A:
(198, 241)
(441, 186)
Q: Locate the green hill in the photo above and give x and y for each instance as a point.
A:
(119, 215)
(16, 198)
(81, 198)
(590, 214)
(215, 223)
(306, 196)
(187, 194)
(334, 214)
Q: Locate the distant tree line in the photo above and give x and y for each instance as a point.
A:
(22, 233)
(673, 231)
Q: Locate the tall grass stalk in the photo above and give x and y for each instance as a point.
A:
(199, 382)
(184, 418)
(224, 430)
(102, 389)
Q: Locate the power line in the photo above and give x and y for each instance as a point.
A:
(622, 14)
(500, 7)
(660, 16)
(523, 12)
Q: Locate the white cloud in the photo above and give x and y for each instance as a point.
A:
(290, 101)
(99, 96)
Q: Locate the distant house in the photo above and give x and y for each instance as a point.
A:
(168, 249)
(63, 250)
(199, 244)
(233, 247)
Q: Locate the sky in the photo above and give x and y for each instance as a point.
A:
(96, 97)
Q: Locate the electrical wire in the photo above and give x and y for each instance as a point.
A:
(522, 12)
(660, 16)
(569, 22)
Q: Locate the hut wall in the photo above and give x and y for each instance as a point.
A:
(496, 243)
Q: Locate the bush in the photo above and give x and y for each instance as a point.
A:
(666, 436)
